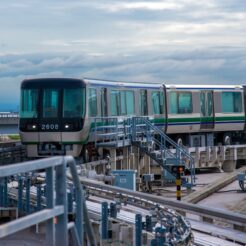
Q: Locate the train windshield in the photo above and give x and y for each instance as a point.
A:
(50, 103)
(29, 103)
(73, 103)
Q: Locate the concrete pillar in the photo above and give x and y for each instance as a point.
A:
(113, 159)
(125, 158)
(135, 152)
(147, 163)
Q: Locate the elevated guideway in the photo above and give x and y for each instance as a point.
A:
(9, 118)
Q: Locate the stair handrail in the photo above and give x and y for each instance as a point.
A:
(168, 139)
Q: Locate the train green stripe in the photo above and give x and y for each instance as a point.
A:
(163, 121)
(229, 118)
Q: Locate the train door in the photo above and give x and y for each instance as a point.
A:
(207, 109)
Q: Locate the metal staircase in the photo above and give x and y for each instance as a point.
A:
(140, 132)
(155, 143)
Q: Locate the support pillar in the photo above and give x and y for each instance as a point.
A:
(50, 203)
(138, 230)
(20, 193)
(147, 164)
(113, 159)
(61, 233)
(125, 158)
(135, 152)
(104, 221)
(28, 185)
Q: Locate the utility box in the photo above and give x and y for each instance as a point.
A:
(125, 179)
(148, 177)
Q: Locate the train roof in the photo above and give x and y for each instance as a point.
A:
(107, 83)
(52, 83)
(203, 87)
(72, 82)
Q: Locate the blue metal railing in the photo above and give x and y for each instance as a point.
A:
(111, 130)
(56, 201)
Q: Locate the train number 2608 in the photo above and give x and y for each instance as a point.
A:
(49, 127)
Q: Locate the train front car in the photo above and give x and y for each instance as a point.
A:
(52, 116)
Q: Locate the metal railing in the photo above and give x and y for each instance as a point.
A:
(111, 131)
(56, 201)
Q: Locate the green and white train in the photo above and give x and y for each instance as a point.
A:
(57, 115)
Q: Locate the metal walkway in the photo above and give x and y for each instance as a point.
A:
(110, 132)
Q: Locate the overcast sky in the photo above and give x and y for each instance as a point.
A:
(183, 41)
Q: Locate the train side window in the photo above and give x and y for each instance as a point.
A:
(157, 102)
(203, 102)
(130, 105)
(184, 102)
(143, 102)
(50, 103)
(231, 102)
(29, 102)
(92, 96)
(73, 103)
(173, 108)
(180, 102)
(122, 102)
(115, 102)
(210, 103)
(123, 109)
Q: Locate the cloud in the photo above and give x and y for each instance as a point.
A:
(224, 65)
(185, 41)
(143, 5)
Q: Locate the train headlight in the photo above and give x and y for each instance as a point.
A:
(32, 127)
(68, 127)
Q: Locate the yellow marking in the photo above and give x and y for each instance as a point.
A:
(178, 193)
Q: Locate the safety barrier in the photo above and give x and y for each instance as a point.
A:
(56, 201)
